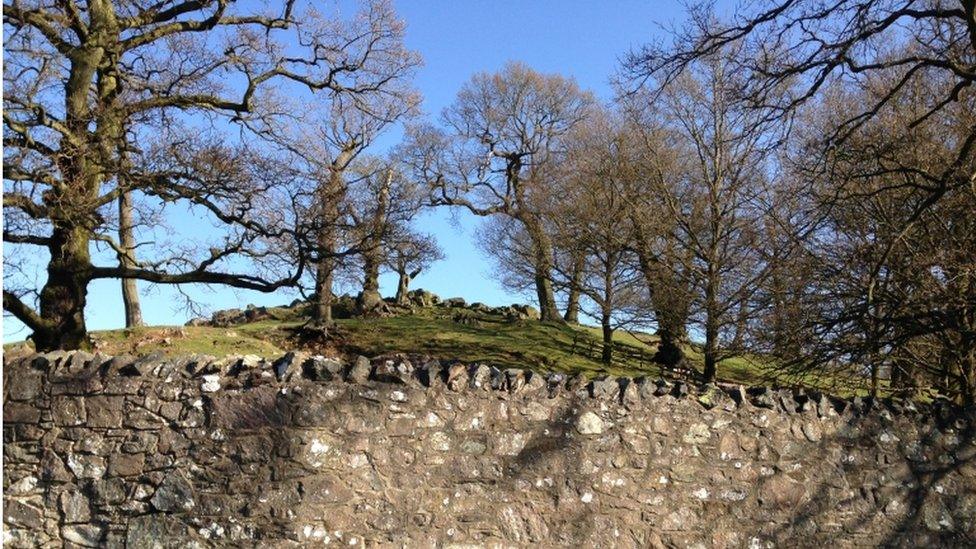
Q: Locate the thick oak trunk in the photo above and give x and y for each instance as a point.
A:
(64, 295)
(542, 251)
(573, 299)
(669, 310)
(330, 196)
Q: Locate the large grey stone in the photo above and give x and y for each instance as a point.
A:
(174, 494)
(288, 366)
(74, 507)
(86, 535)
(589, 424)
(156, 531)
(359, 371)
(320, 368)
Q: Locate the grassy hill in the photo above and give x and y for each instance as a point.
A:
(454, 333)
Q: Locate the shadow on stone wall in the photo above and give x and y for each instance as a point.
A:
(174, 452)
(908, 493)
(552, 448)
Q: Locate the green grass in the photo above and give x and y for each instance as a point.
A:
(435, 332)
(492, 340)
(175, 340)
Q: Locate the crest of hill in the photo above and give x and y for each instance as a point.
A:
(427, 326)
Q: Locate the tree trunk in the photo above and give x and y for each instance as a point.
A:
(63, 298)
(370, 298)
(322, 312)
(403, 286)
(711, 329)
(572, 303)
(669, 309)
(711, 352)
(542, 251)
(325, 268)
(130, 292)
(607, 338)
(331, 195)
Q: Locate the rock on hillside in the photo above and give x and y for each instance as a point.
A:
(345, 307)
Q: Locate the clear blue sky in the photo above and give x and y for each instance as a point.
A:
(582, 39)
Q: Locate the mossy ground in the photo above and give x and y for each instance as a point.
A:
(436, 332)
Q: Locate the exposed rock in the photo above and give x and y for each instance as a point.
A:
(84, 466)
(457, 376)
(86, 535)
(589, 424)
(52, 468)
(711, 396)
(430, 373)
(466, 318)
(105, 411)
(289, 366)
(763, 397)
(74, 507)
(320, 368)
(211, 383)
(423, 298)
(173, 495)
(126, 465)
(605, 387)
(156, 531)
(780, 490)
(698, 433)
(514, 380)
(526, 312)
(661, 387)
(812, 431)
(394, 371)
(554, 382)
(359, 371)
(480, 377)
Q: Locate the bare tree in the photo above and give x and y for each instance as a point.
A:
(592, 219)
(882, 143)
(327, 142)
(660, 160)
(409, 254)
(506, 242)
(382, 207)
(376, 227)
(505, 131)
(719, 205)
(889, 273)
(809, 46)
(77, 78)
(576, 262)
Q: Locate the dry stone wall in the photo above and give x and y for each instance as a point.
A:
(200, 452)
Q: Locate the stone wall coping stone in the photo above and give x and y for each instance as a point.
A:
(86, 371)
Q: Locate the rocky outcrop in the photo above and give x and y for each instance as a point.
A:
(299, 450)
(346, 306)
